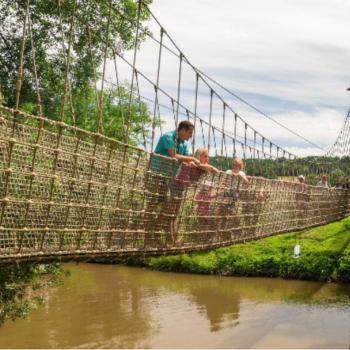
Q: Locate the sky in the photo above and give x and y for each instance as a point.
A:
(288, 58)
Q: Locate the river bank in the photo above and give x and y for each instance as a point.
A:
(325, 256)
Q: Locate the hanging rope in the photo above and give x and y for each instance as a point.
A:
(119, 91)
(245, 142)
(141, 113)
(223, 128)
(177, 52)
(210, 115)
(66, 88)
(156, 106)
(98, 106)
(100, 114)
(178, 93)
(37, 85)
(235, 137)
(126, 138)
(20, 67)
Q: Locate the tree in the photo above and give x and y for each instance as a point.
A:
(54, 25)
(115, 104)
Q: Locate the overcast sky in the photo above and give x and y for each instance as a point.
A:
(289, 58)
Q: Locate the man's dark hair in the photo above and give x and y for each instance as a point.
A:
(185, 124)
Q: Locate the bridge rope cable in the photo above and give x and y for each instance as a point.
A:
(260, 111)
(175, 112)
(195, 69)
(182, 58)
(272, 144)
(193, 116)
(220, 85)
(264, 138)
(204, 122)
(202, 74)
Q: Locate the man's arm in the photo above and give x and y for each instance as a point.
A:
(182, 158)
(209, 168)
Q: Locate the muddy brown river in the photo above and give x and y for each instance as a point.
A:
(109, 306)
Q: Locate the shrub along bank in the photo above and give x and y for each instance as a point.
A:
(21, 287)
(325, 256)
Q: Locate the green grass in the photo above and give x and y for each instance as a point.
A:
(325, 256)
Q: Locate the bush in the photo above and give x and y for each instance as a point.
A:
(15, 283)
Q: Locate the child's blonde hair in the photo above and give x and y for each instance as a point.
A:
(199, 152)
(239, 162)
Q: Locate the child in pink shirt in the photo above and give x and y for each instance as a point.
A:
(187, 174)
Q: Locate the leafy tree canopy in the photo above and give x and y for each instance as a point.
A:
(51, 22)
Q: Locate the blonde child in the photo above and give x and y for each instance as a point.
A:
(237, 170)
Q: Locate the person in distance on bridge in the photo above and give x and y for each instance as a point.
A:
(347, 183)
(237, 170)
(323, 181)
(343, 183)
(302, 186)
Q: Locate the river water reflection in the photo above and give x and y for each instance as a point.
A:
(106, 306)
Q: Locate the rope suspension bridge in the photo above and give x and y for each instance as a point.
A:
(71, 189)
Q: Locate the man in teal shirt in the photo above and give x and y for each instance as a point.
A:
(171, 150)
(173, 144)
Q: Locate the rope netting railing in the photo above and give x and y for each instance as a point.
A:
(78, 170)
(88, 194)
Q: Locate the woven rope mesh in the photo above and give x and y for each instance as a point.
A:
(65, 191)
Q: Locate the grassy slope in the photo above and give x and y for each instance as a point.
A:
(325, 255)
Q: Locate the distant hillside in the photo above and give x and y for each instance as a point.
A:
(310, 167)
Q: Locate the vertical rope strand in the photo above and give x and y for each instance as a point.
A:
(210, 116)
(235, 137)
(195, 113)
(223, 128)
(119, 91)
(97, 101)
(142, 115)
(21, 59)
(37, 85)
(178, 92)
(156, 105)
(66, 88)
(100, 111)
(245, 142)
(126, 137)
